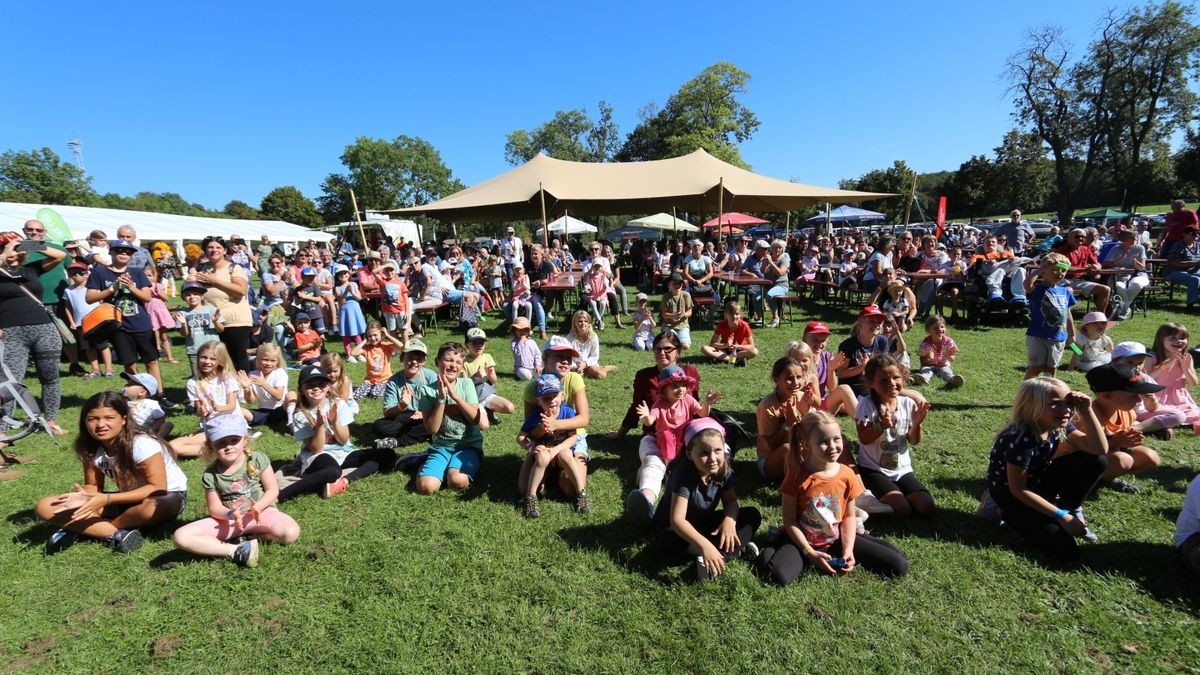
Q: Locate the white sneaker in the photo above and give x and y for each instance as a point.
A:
(868, 502)
(923, 378)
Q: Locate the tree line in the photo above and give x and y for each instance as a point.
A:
(1111, 123)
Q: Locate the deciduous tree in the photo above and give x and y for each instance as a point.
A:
(40, 177)
(290, 205)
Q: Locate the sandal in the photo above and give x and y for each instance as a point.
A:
(173, 360)
(56, 430)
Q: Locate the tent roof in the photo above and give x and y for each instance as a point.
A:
(663, 221)
(734, 218)
(1102, 213)
(570, 225)
(156, 226)
(844, 213)
(693, 181)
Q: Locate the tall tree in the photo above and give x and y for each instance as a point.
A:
(40, 177)
(406, 171)
(704, 113)
(1129, 90)
(897, 179)
(1022, 176)
(1187, 164)
(290, 205)
(241, 210)
(570, 135)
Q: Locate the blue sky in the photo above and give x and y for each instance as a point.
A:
(220, 101)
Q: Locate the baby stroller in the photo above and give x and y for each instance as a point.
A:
(25, 417)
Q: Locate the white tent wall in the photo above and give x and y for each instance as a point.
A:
(153, 227)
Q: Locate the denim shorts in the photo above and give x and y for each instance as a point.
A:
(441, 460)
(454, 295)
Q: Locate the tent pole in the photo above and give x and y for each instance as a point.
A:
(545, 225)
(454, 231)
(674, 223)
(787, 226)
(721, 205)
(911, 196)
(362, 235)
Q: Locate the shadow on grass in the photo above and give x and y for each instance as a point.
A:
(1157, 568)
(174, 558)
(1170, 478)
(628, 547)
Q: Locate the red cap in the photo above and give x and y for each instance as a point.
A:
(77, 266)
(870, 310)
(816, 328)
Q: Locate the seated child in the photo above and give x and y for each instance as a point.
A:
(643, 323)
(308, 341)
(145, 412)
(1187, 527)
(481, 368)
(266, 387)
(937, 353)
(527, 358)
(1091, 346)
(240, 492)
(545, 448)
(732, 341)
(1118, 390)
(700, 515)
(451, 413)
(377, 350)
(888, 423)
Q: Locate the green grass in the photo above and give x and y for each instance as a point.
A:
(1147, 210)
(384, 579)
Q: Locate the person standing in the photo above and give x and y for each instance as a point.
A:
(263, 257)
(1177, 221)
(227, 292)
(512, 250)
(1017, 233)
(54, 282)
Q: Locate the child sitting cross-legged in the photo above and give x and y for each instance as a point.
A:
(937, 353)
(377, 351)
(732, 341)
(1119, 388)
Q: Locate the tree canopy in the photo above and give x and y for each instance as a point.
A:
(570, 135)
(290, 205)
(41, 177)
(405, 171)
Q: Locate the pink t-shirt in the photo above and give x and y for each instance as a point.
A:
(937, 352)
(669, 420)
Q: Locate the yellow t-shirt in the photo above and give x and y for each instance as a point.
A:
(572, 383)
(477, 368)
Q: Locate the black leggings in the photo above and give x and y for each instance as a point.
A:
(403, 428)
(786, 563)
(325, 469)
(748, 520)
(1066, 482)
(237, 341)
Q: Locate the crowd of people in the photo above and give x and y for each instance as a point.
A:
(246, 313)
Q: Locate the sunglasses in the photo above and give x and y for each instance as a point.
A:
(665, 350)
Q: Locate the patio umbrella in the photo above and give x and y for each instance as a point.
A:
(734, 218)
(663, 221)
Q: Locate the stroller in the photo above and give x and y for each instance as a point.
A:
(26, 416)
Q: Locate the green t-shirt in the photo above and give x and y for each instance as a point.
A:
(456, 432)
(572, 383)
(54, 282)
(238, 490)
(677, 304)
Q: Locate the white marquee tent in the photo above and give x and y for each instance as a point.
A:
(568, 225)
(152, 227)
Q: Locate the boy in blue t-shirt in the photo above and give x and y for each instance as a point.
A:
(1050, 324)
(546, 447)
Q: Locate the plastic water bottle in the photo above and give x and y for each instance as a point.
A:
(837, 563)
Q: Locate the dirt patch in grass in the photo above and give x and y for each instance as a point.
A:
(165, 645)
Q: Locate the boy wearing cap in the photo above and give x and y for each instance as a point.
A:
(481, 368)
(145, 412)
(129, 290)
(1050, 322)
(1119, 389)
(308, 298)
(675, 310)
(402, 424)
(77, 307)
(196, 323)
(308, 341)
(544, 447)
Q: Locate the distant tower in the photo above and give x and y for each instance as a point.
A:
(76, 147)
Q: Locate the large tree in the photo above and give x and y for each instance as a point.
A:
(897, 179)
(241, 210)
(40, 177)
(1022, 176)
(157, 202)
(704, 113)
(290, 205)
(405, 171)
(570, 135)
(1128, 91)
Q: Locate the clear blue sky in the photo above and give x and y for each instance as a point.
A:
(220, 101)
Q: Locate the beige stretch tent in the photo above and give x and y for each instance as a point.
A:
(696, 182)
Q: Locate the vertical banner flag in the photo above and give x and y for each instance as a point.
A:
(941, 216)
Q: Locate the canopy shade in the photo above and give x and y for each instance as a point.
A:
(568, 225)
(623, 233)
(1102, 213)
(697, 182)
(848, 214)
(734, 218)
(663, 221)
(156, 226)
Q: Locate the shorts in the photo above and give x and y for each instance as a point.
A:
(265, 416)
(113, 510)
(395, 321)
(454, 295)
(1082, 285)
(684, 334)
(226, 530)
(441, 460)
(484, 392)
(136, 347)
(1044, 351)
(581, 446)
(880, 485)
(85, 344)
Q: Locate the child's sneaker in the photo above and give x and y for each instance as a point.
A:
(337, 487)
(740, 363)
(1088, 535)
(955, 382)
(922, 378)
(701, 569)
(1163, 434)
(868, 502)
(638, 509)
(989, 510)
(60, 541)
(125, 541)
(750, 552)
(530, 507)
(246, 553)
(386, 443)
(582, 503)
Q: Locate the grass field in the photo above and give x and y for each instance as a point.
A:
(384, 579)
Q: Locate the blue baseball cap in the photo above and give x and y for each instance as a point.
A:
(547, 384)
(144, 380)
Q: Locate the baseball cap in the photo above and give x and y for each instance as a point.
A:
(193, 286)
(144, 380)
(76, 266)
(224, 426)
(476, 334)
(302, 316)
(312, 373)
(677, 277)
(701, 424)
(120, 244)
(640, 296)
(520, 323)
(415, 345)
(870, 310)
(558, 343)
(1126, 349)
(308, 272)
(816, 328)
(1120, 377)
(547, 384)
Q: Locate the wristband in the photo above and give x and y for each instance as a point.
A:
(1059, 514)
(107, 498)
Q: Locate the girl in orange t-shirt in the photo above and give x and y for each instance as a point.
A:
(377, 351)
